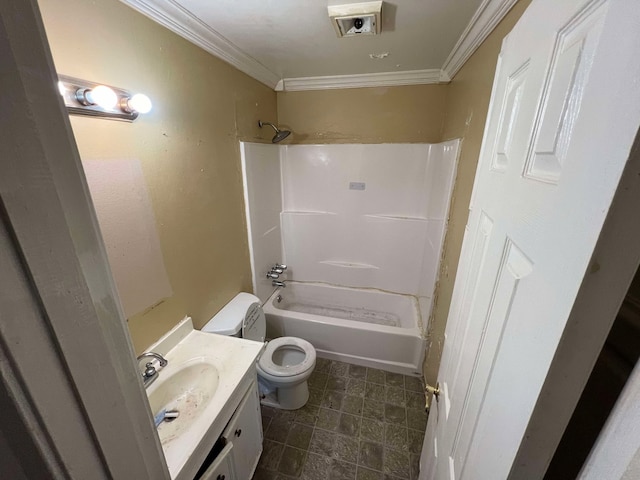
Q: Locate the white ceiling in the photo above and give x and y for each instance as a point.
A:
(294, 39)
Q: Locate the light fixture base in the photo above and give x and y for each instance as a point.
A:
(74, 93)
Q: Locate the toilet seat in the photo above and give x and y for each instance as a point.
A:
(268, 366)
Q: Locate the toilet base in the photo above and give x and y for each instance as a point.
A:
(287, 398)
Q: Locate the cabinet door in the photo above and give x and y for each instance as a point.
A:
(222, 466)
(245, 432)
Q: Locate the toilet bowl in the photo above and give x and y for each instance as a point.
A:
(286, 363)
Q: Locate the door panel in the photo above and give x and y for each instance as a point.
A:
(478, 256)
(562, 95)
(514, 267)
(509, 116)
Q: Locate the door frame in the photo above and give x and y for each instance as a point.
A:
(68, 374)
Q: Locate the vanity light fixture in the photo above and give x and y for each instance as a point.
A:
(82, 97)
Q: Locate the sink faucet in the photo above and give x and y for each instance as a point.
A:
(150, 373)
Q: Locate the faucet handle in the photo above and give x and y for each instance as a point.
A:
(279, 271)
(280, 266)
(149, 370)
(272, 274)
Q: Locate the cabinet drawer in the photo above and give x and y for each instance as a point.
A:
(222, 466)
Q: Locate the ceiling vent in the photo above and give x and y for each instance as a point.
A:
(356, 19)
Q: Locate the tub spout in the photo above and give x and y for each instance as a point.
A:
(277, 283)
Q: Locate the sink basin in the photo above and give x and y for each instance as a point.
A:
(188, 389)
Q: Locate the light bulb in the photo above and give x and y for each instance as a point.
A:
(102, 96)
(140, 103)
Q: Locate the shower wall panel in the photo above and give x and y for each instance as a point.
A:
(356, 179)
(441, 172)
(356, 251)
(369, 216)
(263, 203)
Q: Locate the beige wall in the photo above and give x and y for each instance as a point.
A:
(407, 114)
(187, 145)
(465, 114)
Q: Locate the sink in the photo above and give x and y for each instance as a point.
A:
(188, 389)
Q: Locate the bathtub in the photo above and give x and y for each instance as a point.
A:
(365, 327)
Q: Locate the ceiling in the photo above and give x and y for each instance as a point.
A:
(291, 44)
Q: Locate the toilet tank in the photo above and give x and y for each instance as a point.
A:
(241, 317)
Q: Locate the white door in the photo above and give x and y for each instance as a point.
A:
(552, 156)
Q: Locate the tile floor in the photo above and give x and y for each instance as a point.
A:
(359, 424)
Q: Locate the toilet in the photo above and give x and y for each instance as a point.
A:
(286, 363)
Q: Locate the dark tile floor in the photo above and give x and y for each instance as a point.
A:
(360, 423)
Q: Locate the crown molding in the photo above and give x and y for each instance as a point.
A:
(486, 18)
(385, 79)
(179, 20)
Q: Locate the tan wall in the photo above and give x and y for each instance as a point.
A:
(465, 115)
(406, 114)
(187, 145)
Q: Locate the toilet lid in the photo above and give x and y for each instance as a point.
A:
(266, 359)
(254, 326)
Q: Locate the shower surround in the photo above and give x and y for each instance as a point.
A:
(361, 228)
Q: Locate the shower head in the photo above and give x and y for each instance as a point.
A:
(280, 134)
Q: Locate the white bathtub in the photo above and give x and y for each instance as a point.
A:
(366, 327)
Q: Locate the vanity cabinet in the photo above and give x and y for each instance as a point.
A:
(242, 440)
(219, 436)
